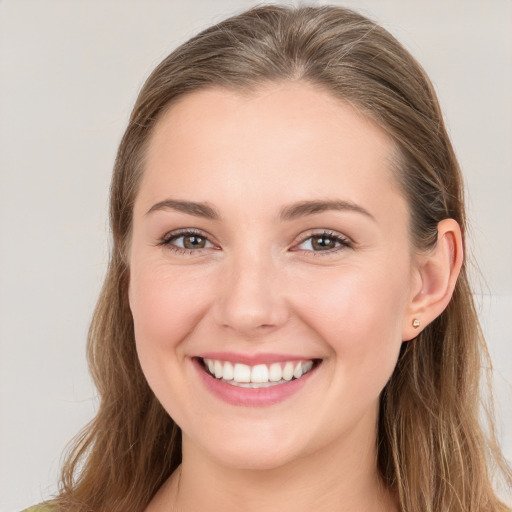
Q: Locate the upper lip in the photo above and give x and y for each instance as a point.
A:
(253, 359)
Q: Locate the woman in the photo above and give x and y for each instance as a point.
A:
(286, 322)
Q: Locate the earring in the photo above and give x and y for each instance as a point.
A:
(415, 323)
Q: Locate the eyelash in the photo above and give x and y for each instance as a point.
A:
(343, 242)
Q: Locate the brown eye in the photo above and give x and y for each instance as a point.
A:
(322, 243)
(194, 242)
(186, 241)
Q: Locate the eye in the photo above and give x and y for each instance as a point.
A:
(186, 241)
(326, 241)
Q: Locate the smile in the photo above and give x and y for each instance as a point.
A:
(259, 375)
(254, 380)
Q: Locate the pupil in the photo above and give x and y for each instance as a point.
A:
(193, 242)
(323, 243)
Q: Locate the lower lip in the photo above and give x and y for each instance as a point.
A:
(251, 397)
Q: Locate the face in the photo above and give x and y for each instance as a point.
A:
(270, 247)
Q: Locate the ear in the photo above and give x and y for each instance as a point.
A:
(437, 271)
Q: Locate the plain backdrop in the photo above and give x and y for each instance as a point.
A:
(69, 73)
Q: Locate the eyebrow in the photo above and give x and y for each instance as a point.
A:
(288, 213)
(304, 208)
(188, 207)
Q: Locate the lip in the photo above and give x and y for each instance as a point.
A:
(251, 397)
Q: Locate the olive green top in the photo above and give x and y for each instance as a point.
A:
(40, 508)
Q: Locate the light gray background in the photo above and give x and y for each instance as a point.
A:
(69, 74)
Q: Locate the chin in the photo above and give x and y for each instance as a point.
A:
(255, 459)
(251, 452)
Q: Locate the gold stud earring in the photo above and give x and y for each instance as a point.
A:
(415, 323)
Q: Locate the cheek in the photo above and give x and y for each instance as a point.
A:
(358, 313)
(165, 306)
(355, 299)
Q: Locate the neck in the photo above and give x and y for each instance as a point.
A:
(340, 477)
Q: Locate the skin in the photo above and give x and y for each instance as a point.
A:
(260, 284)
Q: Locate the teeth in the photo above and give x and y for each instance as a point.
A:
(218, 367)
(228, 371)
(288, 371)
(260, 375)
(253, 385)
(275, 372)
(242, 373)
(307, 366)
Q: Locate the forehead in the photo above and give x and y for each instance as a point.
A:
(287, 139)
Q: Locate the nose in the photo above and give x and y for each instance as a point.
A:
(251, 300)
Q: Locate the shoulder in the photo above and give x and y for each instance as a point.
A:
(41, 508)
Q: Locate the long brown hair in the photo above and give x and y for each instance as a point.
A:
(431, 448)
